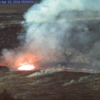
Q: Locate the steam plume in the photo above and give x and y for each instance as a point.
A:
(48, 27)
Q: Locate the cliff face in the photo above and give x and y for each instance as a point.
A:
(8, 35)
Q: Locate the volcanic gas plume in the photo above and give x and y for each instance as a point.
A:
(47, 27)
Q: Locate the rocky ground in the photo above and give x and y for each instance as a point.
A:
(51, 85)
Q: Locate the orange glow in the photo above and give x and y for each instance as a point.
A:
(1, 64)
(26, 68)
(69, 68)
(87, 69)
(25, 62)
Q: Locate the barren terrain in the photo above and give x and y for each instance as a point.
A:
(55, 86)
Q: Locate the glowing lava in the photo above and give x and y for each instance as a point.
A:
(26, 68)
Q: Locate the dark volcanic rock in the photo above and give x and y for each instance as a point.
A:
(55, 86)
(8, 36)
(4, 68)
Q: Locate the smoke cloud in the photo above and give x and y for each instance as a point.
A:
(53, 23)
(79, 80)
(44, 72)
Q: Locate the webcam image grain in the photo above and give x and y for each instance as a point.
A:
(50, 50)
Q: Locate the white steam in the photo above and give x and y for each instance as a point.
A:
(44, 72)
(46, 22)
(74, 81)
(48, 10)
(46, 26)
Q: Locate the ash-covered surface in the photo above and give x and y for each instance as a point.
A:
(54, 86)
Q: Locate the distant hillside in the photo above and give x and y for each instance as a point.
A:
(16, 8)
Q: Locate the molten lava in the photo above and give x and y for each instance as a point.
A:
(26, 68)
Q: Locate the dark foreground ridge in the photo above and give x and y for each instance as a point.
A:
(55, 86)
